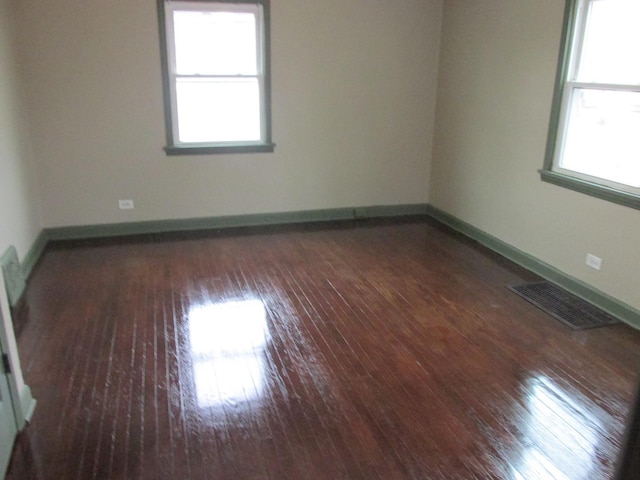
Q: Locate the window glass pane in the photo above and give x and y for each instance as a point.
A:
(610, 48)
(602, 137)
(218, 110)
(215, 43)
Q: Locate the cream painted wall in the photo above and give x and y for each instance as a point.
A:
(19, 219)
(497, 67)
(354, 88)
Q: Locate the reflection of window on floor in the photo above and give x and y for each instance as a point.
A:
(562, 436)
(227, 350)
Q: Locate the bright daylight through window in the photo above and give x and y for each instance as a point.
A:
(216, 76)
(594, 139)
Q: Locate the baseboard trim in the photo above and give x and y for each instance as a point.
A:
(233, 221)
(621, 310)
(618, 309)
(27, 405)
(33, 255)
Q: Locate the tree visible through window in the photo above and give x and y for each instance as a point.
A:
(216, 75)
(594, 140)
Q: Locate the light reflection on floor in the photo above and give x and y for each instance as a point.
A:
(557, 424)
(227, 344)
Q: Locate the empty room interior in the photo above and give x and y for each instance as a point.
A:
(335, 299)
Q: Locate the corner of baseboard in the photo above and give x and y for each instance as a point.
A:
(624, 312)
(31, 258)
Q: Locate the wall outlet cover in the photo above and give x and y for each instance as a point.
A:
(594, 262)
(126, 204)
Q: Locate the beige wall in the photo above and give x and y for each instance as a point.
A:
(353, 104)
(19, 222)
(497, 68)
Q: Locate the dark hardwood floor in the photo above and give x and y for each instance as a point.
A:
(377, 350)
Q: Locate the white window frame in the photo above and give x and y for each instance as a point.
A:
(575, 20)
(260, 8)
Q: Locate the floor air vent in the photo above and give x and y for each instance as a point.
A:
(564, 306)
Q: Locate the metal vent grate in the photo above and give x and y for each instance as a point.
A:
(564, 306)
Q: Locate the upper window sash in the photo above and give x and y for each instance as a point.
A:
(598, 49)
(582, 14)
(215, 7)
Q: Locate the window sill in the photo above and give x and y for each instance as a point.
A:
(219, 149)
(589, 188)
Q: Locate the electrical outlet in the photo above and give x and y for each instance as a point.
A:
(126, 205)
(594, 262)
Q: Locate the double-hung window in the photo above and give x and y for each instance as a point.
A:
(594, 136)
(216, 75)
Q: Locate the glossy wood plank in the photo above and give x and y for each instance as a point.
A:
(375, 350)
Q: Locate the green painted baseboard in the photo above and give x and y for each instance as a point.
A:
(33, 255)
(214, 223)
(618, 309)
(611, 305)
(20, 271)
